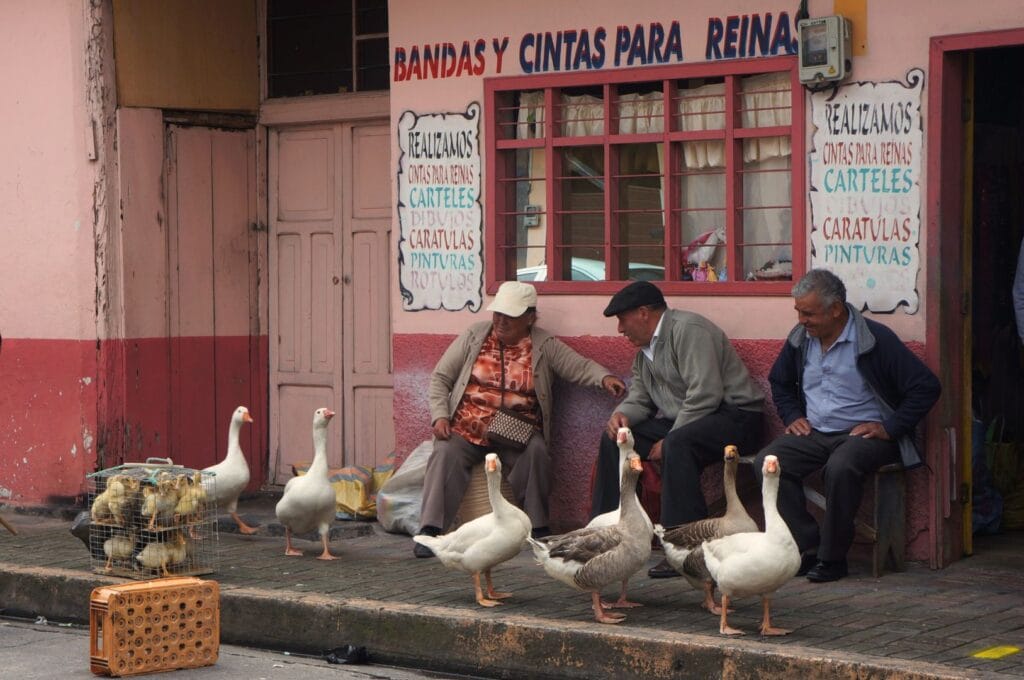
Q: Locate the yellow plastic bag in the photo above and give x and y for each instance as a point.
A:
(355, 488)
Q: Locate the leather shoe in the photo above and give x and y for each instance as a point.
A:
(827, 570)
(662, 570)
(807, 562)
(420, 550)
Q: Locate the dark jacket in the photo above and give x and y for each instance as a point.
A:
(905, 388)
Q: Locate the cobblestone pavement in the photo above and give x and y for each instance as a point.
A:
(939, 617)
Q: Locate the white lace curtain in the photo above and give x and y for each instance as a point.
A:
(765, 101)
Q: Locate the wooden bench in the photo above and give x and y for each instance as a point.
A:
(888, 535)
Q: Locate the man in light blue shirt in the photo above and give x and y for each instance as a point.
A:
(850, 394)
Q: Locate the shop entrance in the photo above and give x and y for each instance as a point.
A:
(994, 220)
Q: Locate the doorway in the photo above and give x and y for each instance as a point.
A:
(330, 274)
(994, 165)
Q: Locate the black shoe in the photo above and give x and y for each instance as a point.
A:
(807, 562)
(827, 570)
(420, 550)
(540, 532)
(662, 570)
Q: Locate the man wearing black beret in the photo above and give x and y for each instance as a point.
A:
(690, 396)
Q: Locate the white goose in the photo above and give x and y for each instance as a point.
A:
(231, 475)
(755, 563)
(485, 542)
(624, 438)
(309, 501)
(683, 543)
(589, 559)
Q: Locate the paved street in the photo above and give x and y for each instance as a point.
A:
(50, 650)
(919, 623)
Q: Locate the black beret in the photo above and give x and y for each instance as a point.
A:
(636, 294)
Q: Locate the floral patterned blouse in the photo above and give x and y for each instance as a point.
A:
(483, 392)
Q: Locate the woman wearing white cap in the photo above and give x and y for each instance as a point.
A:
(466, 391)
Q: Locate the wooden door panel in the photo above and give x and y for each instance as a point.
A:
(305, 306)
(306, 187)
(295, 419)
(368, 378)
(324, 315)
(288, 293)
(213, 299)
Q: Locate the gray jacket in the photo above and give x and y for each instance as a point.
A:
(695, 370)
(551, 357)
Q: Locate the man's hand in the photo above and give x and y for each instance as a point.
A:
(655, 455)
(616, 421)
(870, 431)
(613, 386)
(800, 427)
(442, 428)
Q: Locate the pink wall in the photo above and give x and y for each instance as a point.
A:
(48, 365)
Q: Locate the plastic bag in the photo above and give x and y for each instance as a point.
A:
(355, 487)
(398, 501)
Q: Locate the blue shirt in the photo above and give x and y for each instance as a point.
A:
(837, 395)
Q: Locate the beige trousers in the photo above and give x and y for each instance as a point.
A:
(448, 470)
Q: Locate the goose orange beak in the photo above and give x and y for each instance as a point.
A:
(731, 452)
(246, 417)
(635, 464)
(491, 465)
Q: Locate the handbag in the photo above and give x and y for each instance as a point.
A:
(508, 429)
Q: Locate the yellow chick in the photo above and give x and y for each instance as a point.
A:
(191, 497)
(118, 547)
(159, 502)
(124, 490)
(161, 555)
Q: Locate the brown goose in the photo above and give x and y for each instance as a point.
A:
(591, 558)
(683, 543)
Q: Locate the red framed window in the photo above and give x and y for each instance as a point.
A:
(690, 175)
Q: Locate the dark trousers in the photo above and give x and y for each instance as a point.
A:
(685, 452)
(845, 462)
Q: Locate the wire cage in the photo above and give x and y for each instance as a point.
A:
(151, 520)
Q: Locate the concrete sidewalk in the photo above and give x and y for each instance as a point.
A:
(916, 624)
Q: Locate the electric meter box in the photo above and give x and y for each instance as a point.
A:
(824, 49)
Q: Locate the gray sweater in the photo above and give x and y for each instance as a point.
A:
(695, 370)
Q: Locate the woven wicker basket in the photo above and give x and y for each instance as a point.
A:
(475, 502)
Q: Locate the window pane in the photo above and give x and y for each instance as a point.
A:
(371, 16)
(701, 212)
(523, 112)
(640, 109)
(766, 212)
(699, 104)
(582, 188)
(523, 205)
(309, 48)
(640, 210)
(765, 100)
(581, 111)
(583, 263)
(372, 57)
(641, 263)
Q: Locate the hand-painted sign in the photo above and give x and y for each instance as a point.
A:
(440, 249)
(589, 48)
(866, 190)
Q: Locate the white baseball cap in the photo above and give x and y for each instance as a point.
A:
(513, 298)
